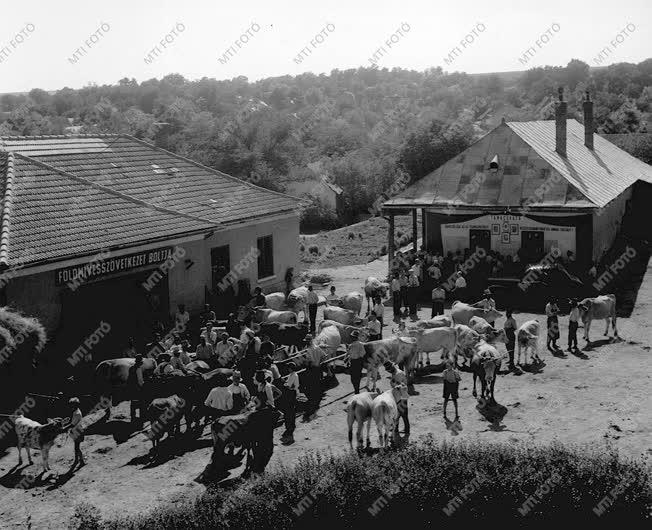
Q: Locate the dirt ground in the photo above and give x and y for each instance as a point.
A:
(599, 397)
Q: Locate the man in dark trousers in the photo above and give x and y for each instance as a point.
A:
(312, 300)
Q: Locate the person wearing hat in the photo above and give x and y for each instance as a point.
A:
(264, 395)
(487, 303)
(374, 327)
(176, 362)
(356, 353)
(239, 392)
(219, 401)
(510, 335)
(164, 367)
(76, 430)
(573, 323)
(267, 347)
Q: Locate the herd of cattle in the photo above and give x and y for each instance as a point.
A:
(466, 333)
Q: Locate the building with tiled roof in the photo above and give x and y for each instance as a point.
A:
(527, 187)
(90, 222)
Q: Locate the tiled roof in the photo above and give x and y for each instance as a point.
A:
(69, 196)
(531, 172)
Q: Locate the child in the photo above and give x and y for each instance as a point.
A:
(451, 385)
(573, 319)
(76, 430)
(510, 335)
(379, 309)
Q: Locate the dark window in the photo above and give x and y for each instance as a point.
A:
(265, 257)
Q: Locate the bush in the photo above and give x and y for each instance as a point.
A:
(383, 250)
(429, 483)
(351, 235)
(313, 249)
(399, 233)
(316, 215)
(321, 278)
(360, 235)
(302, 247)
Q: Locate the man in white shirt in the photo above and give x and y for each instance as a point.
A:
(312, 300)
(222, 350)
(460, 287)
(219, 401)
(209, 334)
(181, 318)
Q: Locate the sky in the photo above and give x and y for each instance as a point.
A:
(50, 45)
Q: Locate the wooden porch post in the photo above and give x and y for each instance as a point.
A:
(414, 229)
(390, 242)
(423, 228)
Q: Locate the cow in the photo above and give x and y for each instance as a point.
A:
(164, 415)
(338, 314)
(431, 340)
(328, 340)
(600, 307)
(491, 335)
(271, 315)
(373, 287)
(399, 350)
(359, 410)
(33, 435)
(384, 410)
(345, 331)
(276, 301)
(353, 302)
(485, 365)
(440, 321)
(527, 337)
(114, 383)
(201, 367)
(285, 334)
(296, 300)
(462, 313)
(467, 338)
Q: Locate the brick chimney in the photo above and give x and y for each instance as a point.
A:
(560, 125)
(588, 121)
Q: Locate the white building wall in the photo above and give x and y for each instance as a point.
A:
(607, 222)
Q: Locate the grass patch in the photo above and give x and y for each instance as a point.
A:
(426, 483)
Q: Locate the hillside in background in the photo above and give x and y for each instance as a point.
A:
(365, 128)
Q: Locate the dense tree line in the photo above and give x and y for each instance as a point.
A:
(367, 128)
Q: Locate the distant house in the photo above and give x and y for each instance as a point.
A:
(322, 188)
(529, 187)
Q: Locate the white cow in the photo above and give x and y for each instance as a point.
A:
(462, 313)
(600, 307)
(33, 435)
(276, 301)
(440, 321)
(328, 340)
(338, 314)
(432, 340)
(345, 331)
(353, 302)
(359, 410)
(297, 301)
(271, 315)
(373, 287)
(384, 411)
(491, 335)
(527, 338)
(467, 339)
